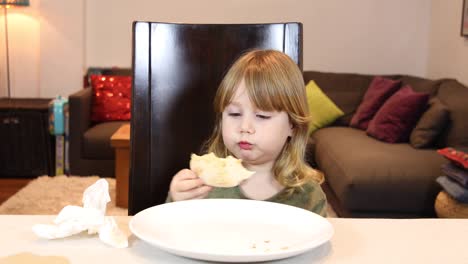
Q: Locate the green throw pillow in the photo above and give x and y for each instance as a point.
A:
(322, 110)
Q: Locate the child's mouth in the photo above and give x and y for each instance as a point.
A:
(245, 145)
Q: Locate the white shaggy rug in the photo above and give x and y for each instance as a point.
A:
(48, 195)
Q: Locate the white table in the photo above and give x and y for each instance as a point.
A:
(355, 241)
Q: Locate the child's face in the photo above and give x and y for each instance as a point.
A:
(257, 137)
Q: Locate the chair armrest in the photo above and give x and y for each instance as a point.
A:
(79, 121)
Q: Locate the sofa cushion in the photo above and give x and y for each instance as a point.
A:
(96, 140)
(455, 96)
(322, 110)
(430, 125)
(398, 116)
(344, 89)
(371, 175)
(378, 92)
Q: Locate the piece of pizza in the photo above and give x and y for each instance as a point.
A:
(219, 172)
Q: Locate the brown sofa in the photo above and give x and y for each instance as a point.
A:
(90, 151)
(366, 177)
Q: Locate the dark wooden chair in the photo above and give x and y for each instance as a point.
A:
(177, 69)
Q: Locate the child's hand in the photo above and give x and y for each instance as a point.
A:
(186, 185)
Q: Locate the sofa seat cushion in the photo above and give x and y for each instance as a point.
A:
(96, 140)
(370, 175)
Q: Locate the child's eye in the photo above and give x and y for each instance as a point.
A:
(234, 114)
(262, 116)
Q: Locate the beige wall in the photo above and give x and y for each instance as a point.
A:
(448, 51)
(367, 36)
(61, 65)
(59, 38)
(46, 41)
(23, 39)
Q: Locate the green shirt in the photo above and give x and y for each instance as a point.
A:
(310, 197)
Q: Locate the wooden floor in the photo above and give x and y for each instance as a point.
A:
(8, 187)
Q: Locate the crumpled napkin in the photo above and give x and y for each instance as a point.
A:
(91, 217)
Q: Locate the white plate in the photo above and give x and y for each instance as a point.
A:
(231, 230)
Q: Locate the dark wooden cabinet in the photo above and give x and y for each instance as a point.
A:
(26, 146)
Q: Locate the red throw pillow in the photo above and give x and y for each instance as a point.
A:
(456, 156)
(380, 89)
(398, 116)
(111, 97)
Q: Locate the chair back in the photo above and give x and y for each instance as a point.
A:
(177, 69)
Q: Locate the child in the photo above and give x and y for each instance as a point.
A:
(262, 119)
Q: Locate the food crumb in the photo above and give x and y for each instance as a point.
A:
(254, 246)
(284, 248)
(267, 241)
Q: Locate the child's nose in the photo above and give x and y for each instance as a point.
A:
(247, 126)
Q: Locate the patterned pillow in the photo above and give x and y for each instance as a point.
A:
(111, 98)
(398, 116)
(322, 110)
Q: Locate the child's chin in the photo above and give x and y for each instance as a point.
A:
(245, 156)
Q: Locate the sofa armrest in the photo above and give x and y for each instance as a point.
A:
(79, 121)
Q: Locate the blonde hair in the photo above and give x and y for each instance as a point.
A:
(274, 83)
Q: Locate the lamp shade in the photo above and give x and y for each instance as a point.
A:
(14, 2)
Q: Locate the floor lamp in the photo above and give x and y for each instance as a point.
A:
(7, 4)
